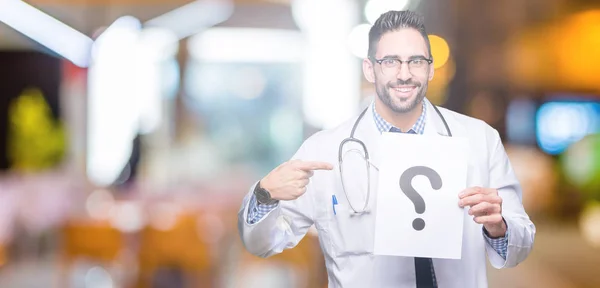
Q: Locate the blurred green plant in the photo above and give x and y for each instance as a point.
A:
(581, 165)
(35, 140)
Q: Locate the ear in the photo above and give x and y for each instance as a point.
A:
(431, 71)
(368, 70)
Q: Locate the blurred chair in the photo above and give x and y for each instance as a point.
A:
(179, 248)
(305, 260)
(96, 241)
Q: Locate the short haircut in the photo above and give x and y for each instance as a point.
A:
(393, 21)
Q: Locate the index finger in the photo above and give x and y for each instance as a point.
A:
(470, 191)
(313, 165)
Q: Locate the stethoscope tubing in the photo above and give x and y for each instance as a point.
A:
(366, 157)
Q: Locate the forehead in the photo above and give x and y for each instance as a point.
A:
(403, 43)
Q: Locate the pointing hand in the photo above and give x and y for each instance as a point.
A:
(288, 181)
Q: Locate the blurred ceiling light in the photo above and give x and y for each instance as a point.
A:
(123, 22)
(159, 43)
(122, 31)
(316, 15)
(125, 92)
(326, 26)
(374, 8)
(194, 17)
(113, 117)
(305, 15)
(46, 30)
(247, 45)
(156, 46)
(120, 34)
(439, 50)
(358, 40)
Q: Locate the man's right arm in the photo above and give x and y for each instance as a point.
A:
(280, 228)
(268, 230)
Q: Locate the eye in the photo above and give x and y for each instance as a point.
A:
(389, 62)
(418, 62)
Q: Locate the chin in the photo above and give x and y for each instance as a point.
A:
(403, 104)
(403, 108)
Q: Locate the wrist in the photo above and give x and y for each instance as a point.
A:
(496, 231)
(264, 184)
(263, 194)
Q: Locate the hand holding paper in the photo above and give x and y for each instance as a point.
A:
(486, 206)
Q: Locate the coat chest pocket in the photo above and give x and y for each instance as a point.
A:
(351, 233)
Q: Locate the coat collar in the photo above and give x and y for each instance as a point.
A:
(369, 134)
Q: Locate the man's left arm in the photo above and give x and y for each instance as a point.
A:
(499, 244)
(507, 229)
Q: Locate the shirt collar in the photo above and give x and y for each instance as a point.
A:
(417, 128)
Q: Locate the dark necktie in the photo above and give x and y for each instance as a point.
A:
(424, 271)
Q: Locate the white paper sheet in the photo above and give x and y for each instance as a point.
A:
(441, 228)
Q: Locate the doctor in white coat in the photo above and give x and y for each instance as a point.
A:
(279, 209)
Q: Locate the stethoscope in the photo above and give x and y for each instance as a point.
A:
(366, 157)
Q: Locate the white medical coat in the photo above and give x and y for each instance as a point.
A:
(347, 241)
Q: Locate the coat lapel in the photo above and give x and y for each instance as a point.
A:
(435, 126)
(370, 135)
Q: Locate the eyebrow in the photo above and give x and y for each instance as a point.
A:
(413, 57)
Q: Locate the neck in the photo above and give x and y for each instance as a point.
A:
(404, 121)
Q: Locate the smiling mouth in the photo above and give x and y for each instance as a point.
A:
(405, 89)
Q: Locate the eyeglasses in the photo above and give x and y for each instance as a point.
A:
(391, 65)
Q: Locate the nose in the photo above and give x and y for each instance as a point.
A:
(403, 72)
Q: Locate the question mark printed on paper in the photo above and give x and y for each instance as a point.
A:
(413, 195)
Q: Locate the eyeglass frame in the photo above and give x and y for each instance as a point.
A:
(410, 59)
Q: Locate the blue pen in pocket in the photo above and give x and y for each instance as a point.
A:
(333, 203)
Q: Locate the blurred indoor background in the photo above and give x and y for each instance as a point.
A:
(131, 129)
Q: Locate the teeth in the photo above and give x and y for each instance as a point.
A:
(404, 90)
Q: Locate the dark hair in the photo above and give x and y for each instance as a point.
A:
(393, 21)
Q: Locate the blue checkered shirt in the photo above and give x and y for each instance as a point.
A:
(258, 211)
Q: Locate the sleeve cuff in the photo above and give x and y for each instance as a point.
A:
(257, 211)
(500, 244)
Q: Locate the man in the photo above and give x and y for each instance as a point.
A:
(280, 208)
